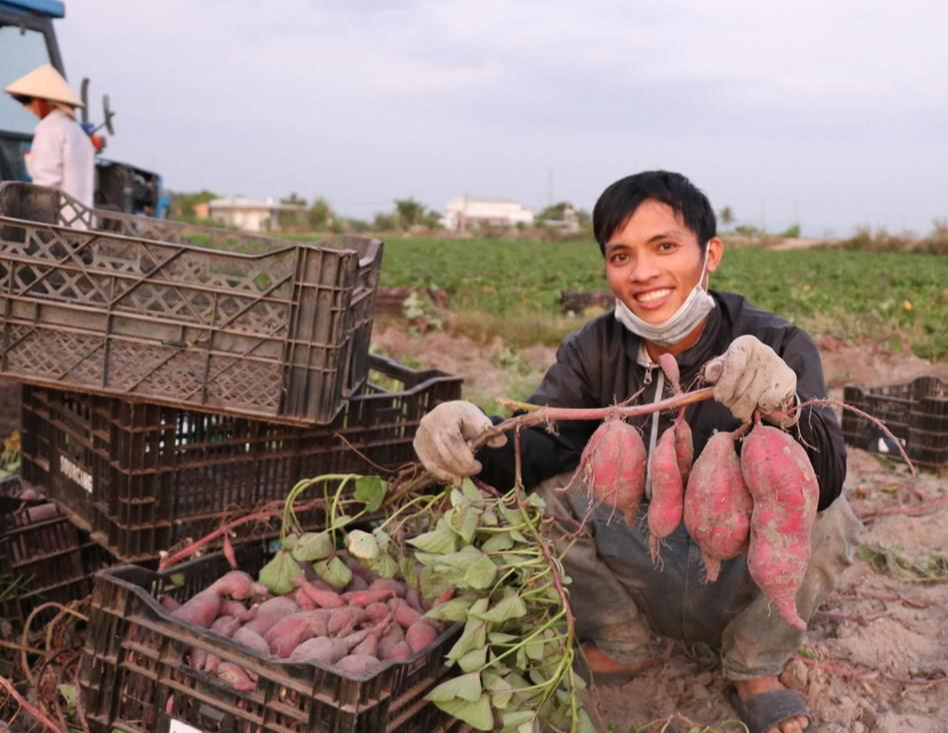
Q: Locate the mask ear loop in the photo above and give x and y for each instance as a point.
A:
(704, 268)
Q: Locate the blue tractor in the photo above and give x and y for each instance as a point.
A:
(27, 40)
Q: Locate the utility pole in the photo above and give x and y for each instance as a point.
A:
(549, 188)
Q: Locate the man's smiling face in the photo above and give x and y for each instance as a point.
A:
(653, 261)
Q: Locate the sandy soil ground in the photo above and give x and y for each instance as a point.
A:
(875, 642)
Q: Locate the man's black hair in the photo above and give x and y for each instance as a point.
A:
(620, 200)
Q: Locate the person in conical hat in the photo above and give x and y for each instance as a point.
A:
(62, 154)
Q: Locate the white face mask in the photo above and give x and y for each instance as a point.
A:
(679, 324)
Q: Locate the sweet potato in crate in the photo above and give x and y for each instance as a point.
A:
(916, 412)
(135, 674)
(143, 477)
(133, 307)
(43, 558)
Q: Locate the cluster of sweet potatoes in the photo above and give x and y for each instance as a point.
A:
(356, 629)
(762, 502)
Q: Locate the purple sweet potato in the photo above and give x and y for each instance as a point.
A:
(357, 583)
(356, 567)
(358, 664)
(270, 612)
(320, 649)
(420, 635)
(413, 599)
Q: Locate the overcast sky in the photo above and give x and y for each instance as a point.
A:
(836, 112)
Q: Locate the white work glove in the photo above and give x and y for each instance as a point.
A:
(750, 376)
(441, 440)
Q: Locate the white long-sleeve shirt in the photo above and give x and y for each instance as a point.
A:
(62, 155)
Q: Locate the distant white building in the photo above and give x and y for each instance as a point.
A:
(466, 212)
(251, 215)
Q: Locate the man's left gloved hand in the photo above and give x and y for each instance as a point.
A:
(750, 376)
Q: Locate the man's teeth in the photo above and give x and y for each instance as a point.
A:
(653, 295)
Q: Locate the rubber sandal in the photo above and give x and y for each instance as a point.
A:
(767, 710)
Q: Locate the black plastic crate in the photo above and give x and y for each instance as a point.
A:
(135, 676)
(144, 477)
(43, 558)
(916, 412)
(169, 312)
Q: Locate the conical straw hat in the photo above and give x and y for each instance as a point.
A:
(46, 83)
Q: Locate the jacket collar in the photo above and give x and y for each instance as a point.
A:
(703, 350)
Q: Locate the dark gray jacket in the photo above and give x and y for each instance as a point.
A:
(596, 366)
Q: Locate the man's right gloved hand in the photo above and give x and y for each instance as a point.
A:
(441, 440)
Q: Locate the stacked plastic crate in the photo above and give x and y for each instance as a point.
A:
(176, 375)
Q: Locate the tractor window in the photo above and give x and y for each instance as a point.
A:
(21, 51)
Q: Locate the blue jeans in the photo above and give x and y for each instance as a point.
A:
(622, 601)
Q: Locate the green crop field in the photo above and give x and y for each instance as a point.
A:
(510, 287)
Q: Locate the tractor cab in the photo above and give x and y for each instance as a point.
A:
(28, 40)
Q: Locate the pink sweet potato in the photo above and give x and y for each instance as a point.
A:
(401, 650)
(395, 586)
(613, 467)
(238, 610)
(322, 598)
(238, 585)
(665, 507)
(366, 597)
(343, 620)
(358, 664)
(201, 609)
(270, 612)
(169, 603)
(237, 677)
(404, 614)
(303, 600)
(369, 646)
(320, 649)
(388, 641)
(420, 635)
(252, 640)
(224, 626)
(717, 504)
(684, 446)
(377, 611)
(786, 493)
(291, 630)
